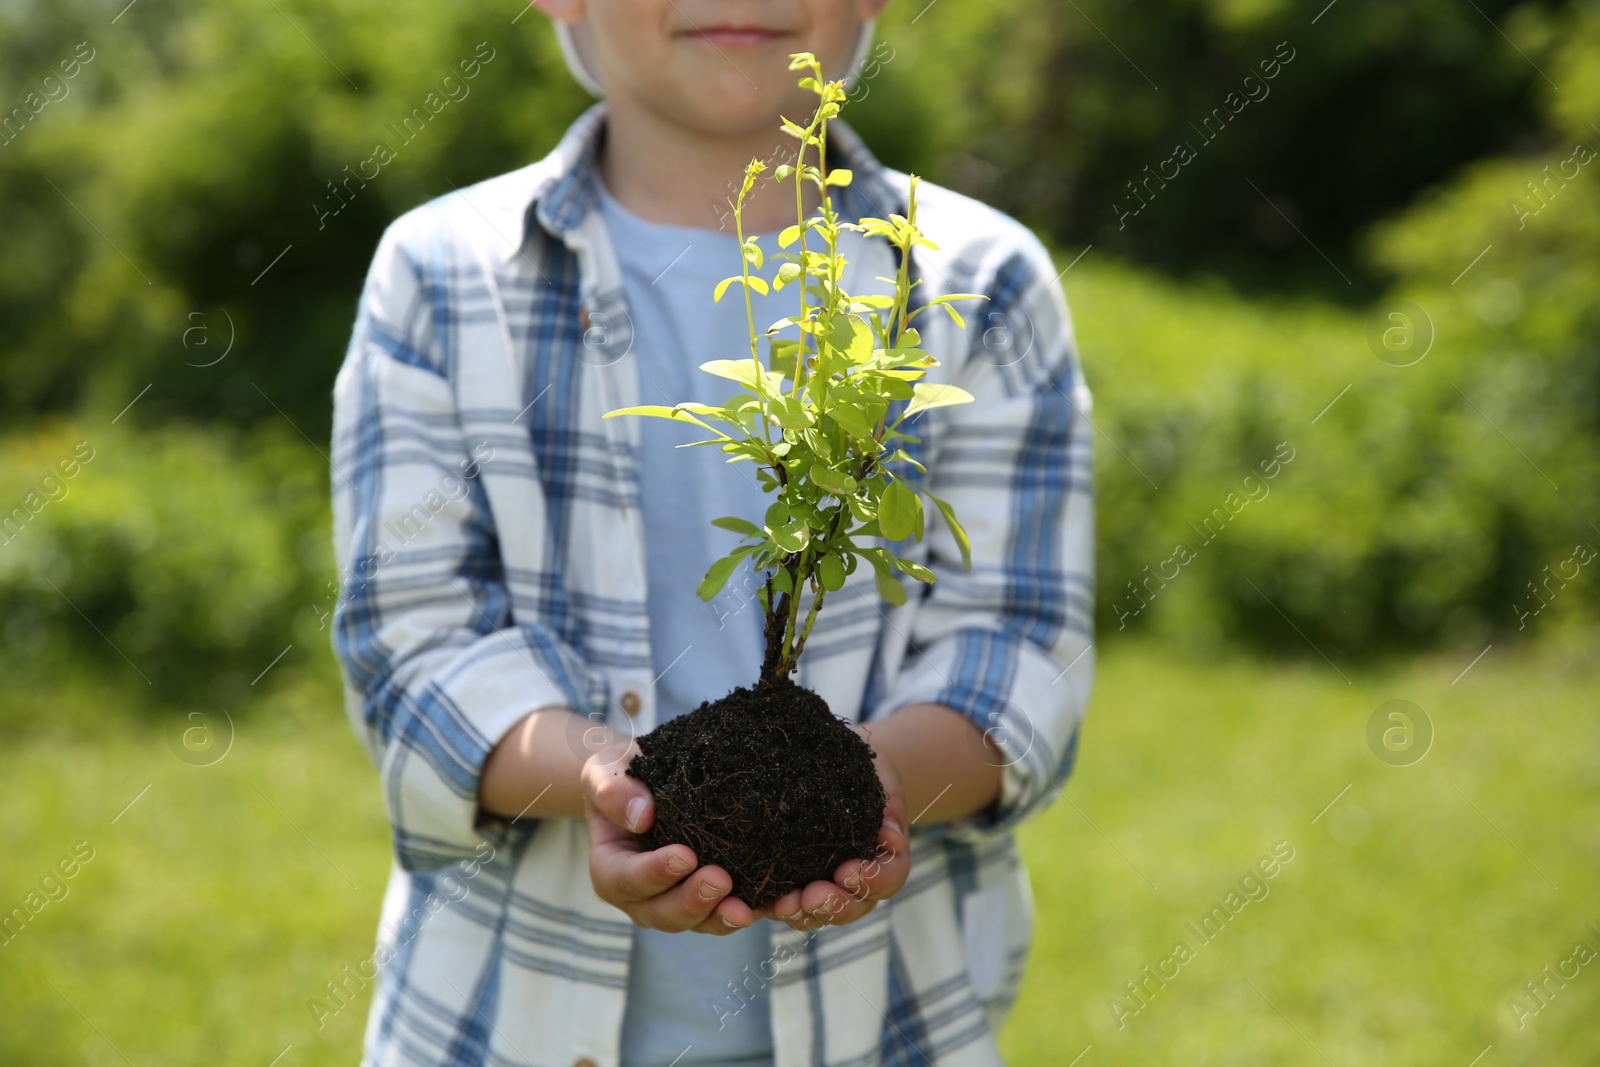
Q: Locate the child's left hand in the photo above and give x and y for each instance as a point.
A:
(857, 885)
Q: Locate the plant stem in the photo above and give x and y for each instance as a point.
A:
(776, 612)
(811, 618)
(750, 315)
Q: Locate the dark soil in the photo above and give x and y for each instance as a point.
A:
(766, 783)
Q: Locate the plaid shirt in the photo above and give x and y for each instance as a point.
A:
(487, 527)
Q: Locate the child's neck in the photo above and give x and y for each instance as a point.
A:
(667, 174)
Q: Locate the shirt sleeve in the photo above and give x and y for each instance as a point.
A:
(1010, 643)
(436, 667)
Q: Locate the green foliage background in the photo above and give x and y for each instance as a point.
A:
(147, 212)
(166, 210)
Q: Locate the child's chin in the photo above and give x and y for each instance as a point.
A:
(725, 104)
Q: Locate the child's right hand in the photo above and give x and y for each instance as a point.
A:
(663, 889)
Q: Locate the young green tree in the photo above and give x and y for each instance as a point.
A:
(814, 417)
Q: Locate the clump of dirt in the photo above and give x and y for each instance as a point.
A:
(766, 783)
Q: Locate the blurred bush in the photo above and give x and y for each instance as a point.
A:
(200, 142)
(1444, 501)
(176, 562)
(172, 236)
(1339, 112)
(1403, 519)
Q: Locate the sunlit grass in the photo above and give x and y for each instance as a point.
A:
(1405, 920)
(220, 901)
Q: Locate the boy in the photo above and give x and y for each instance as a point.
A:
(518, 592)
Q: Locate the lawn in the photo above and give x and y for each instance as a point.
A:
(1417, 900)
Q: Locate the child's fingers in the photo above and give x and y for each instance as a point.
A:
(728, 916)
(684, 906)
(623, 800)
(813, 906)
(787, 907)
(886, 872)
(623, 875)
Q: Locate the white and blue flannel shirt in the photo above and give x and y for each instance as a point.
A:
(487, 529)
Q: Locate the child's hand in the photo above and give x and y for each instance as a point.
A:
(661, 890)
(858, 885)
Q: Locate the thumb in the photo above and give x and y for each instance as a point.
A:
(618, 797)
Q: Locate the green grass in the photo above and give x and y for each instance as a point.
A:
(207, 920)
(1405, 920)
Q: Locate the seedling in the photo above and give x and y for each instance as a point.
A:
(814, 418)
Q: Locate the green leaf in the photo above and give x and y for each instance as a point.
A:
(853, 338)
(900, 455)
(790, 234)
(900, 512)
(916, 570)
(947, 301)
(830, 572)
(722, 287)
(935, 395)
(737, 525)
(744, 372)
(792, 536)
(787, 273)
(835, 482)
(660, 411)
(655, 411)
(853, 419)
(760, 286)
(840, 176)
(956, 530)
(718, 573)
(788, 412)
(889, 586)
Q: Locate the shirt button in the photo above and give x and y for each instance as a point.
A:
(630, 704)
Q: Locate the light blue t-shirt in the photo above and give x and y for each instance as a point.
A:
(678, 984)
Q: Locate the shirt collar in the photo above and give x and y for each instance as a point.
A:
(559, 192)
